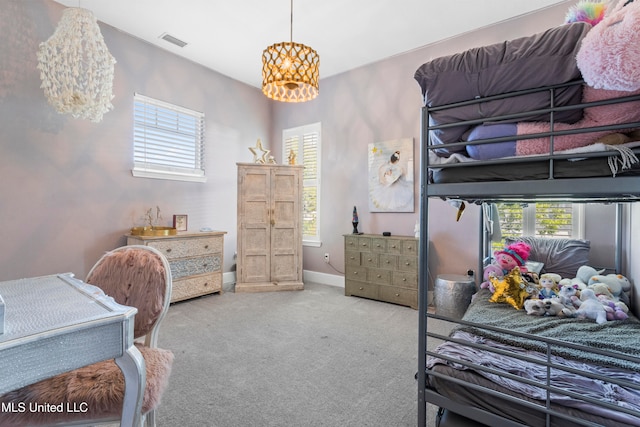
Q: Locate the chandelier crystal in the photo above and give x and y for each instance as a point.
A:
(290, 71)
(76, 67)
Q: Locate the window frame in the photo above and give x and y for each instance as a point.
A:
(189, 125)
(299, 132)
(529, 225)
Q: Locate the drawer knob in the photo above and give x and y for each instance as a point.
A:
(361, 288)
(379, 276)
(393, 246)
(351, 257)
(407, 263)
(205, 265)
(169, 250)
(388, 262)
(364, 244)
(355, 272)
(369, 259)
(397, 295)
(206, 246)
(378, 245)
(404, 279)
(206, 284)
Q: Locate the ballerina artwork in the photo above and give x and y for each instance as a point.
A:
(391, 176)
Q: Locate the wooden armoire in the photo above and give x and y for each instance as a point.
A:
(269, 228)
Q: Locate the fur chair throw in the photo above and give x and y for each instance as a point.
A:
(99, 388)
(144, 275)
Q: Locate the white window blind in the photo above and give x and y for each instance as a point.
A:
(304, 142)
(168, 141)
(561, 220)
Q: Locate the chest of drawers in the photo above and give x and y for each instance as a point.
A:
(195, 259)
(382, 268)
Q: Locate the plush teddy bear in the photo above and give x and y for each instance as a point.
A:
(568, 296)
(544, 307)
(591, 307)
(618, 284)
(514, 255)
(615, 309)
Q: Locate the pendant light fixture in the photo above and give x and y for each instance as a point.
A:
(76, 67)
(290, 71)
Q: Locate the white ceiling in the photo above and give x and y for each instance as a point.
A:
(229, 36)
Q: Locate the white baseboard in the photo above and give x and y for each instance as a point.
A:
(323, 278)
(229, 279)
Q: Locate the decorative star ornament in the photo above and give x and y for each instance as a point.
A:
(511, 289)
(258, 148)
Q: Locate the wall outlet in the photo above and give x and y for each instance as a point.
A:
(326, 258)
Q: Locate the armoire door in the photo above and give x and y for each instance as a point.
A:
(254, 220)
(285, 224)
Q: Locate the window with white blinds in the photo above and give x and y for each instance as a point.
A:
(304, 143)
(168, 141)
(552, 219)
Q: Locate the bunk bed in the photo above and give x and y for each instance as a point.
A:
(500, 366)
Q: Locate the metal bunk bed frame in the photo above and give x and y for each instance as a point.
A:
(601, 189)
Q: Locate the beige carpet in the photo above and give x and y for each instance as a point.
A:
(300, 358)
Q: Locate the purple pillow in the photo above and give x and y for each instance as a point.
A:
(494, 150)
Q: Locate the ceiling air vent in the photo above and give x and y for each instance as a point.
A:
(173, 40)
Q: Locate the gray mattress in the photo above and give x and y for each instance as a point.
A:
(534, 170)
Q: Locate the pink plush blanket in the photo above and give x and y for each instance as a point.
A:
(593, 116)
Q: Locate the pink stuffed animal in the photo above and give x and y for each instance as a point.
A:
(609, 60)
(514, 255)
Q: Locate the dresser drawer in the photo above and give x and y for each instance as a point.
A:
(369, 259)
(196, 286)
(399, 296)
(360, 289)
(389, 262)
(379, 244)
(356, 273)
(408, 263)
(381, 277)
(351, 243)
(180, 248)
(193, 266)
(394, 246)
(352, 258)
(405, 279)
(364, 244)
(410, 247)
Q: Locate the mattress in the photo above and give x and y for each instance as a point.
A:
(529, 170)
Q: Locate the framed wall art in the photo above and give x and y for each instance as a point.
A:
(180, 222)
(391, 176)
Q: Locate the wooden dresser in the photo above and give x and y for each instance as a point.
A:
(195, 259)
(382, 268)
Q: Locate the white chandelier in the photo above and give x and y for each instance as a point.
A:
(76, 67)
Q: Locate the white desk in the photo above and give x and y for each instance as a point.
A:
(55, 324)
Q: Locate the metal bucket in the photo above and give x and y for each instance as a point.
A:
(452, 294)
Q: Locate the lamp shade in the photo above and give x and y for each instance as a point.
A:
(290, 72)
